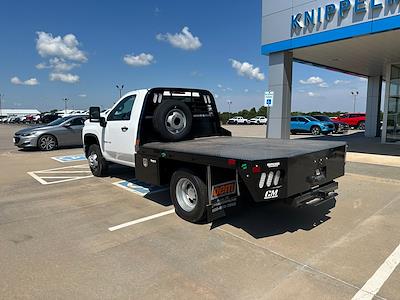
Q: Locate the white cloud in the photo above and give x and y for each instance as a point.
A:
(246, 90)
(363, 79)
(338, 81)
(183, 40)
(219, 85)
(58, 64)
(82, 95)
(312, 94)
(143, 59)
(323, 85)
(247, 69)
(312, 80)
(31, 81)
(68, 78)
(64, 47)
(42, 66)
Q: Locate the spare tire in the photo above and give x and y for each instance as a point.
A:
(172, 120)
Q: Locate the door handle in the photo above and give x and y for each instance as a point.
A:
(124, 129)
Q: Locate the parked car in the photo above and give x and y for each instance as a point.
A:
(259, 120)
(340, 127)
(65, 131)
(354, 120)
(307, 124)
(238, 120)
(49, 117)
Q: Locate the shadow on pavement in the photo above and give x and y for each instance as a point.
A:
(160, 194)
(359, 143)
(277, 218)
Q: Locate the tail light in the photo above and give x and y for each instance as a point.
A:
(270, 178)
(277, 177)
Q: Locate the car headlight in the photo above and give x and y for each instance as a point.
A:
(28, 133)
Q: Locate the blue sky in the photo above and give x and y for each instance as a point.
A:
(82, 49)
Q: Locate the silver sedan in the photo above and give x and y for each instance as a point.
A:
(66, 131)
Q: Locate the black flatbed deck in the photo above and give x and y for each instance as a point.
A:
(243, 148)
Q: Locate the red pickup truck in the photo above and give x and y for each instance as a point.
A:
(355, 120)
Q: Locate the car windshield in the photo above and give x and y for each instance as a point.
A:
(58, 121)
(312, 119)
(323, 118)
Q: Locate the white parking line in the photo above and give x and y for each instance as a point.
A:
(141, 220)
(373, 285)
(63, 174)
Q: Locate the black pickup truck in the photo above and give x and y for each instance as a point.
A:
(179, 141)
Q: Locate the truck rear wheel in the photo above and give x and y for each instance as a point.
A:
(172, 120)
(98, 165)
(189, 195)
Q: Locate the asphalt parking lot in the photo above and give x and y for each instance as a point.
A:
(71, 235)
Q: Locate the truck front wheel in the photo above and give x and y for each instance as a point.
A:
(98, 165)
(189, 195)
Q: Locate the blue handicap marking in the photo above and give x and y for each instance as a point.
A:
(139, 187)
(70, 158)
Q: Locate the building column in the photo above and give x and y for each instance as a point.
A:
(280, 82)
(372, 122)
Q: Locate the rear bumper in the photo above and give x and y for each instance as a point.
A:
(315, 196)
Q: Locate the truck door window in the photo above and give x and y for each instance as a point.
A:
(123, 110)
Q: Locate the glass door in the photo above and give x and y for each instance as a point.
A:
(393, 117)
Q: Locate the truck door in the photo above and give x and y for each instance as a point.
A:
(120, 133)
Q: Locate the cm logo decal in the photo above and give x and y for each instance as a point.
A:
(271, 194)
(223, 189)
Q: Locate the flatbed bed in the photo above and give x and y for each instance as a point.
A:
(243, 148)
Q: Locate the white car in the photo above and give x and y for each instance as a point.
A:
(259, 120)
(238, 121)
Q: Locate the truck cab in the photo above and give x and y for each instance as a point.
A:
(117, 135)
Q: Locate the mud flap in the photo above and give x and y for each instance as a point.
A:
(223, 192)
(221, 208)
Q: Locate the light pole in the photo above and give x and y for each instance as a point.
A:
(229, 107)
(65, 104)
(120, 87)
(355, 94)
(1, 112)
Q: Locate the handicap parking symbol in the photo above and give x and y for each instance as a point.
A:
(139, 187)
(70, 158)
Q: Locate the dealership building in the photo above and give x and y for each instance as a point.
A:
(360, 37)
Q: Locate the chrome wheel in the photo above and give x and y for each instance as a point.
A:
(93, 161)
(186, 194)
(47, 143)
(315, 131)
(175, 122)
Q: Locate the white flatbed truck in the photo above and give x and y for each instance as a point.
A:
(174, 136)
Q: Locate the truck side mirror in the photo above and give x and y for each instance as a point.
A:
(94, 114)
